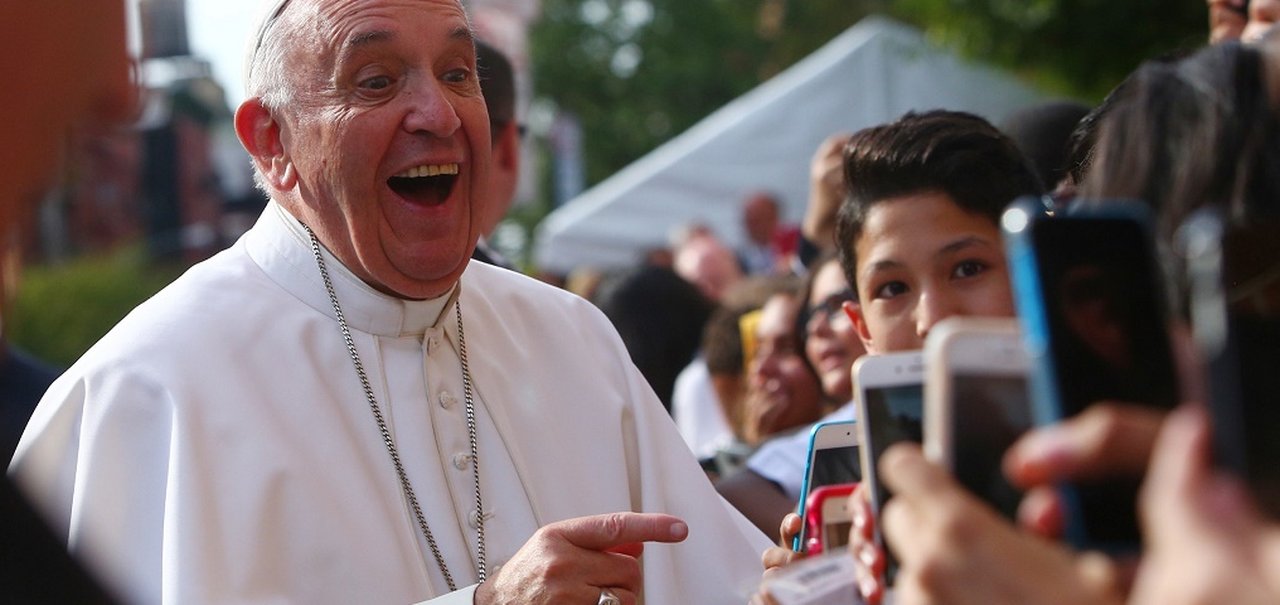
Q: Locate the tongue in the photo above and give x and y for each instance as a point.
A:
(428, 191)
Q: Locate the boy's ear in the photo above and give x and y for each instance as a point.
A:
(854, 311)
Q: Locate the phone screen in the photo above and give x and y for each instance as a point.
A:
(834, 465)
(990, 413)
(893, 414)
(835, 535)
(1108, 341)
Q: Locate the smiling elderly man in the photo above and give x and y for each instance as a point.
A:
(341, 409)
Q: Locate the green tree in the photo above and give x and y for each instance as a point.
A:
(1076, 47)
(636, 72)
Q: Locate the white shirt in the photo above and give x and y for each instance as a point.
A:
(216, 446)
(697, 412)
(783, 460)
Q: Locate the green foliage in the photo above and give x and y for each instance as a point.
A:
(61, 310)
(637, 72)
(1075, 47)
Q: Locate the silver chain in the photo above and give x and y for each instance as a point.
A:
(390, 443)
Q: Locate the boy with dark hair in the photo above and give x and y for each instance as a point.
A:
(918, 232)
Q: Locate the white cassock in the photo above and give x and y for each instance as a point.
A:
(217, 446)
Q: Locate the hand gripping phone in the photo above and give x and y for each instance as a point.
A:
(1091, 302)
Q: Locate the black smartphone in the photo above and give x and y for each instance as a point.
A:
(1233, 279)
(1092, 304)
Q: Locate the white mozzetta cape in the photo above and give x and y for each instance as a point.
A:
(216, 446)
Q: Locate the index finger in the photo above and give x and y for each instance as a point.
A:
(600, 532)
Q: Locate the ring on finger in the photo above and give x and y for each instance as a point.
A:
(607, 597)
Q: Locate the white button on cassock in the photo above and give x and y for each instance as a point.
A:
(447, 399)
(460, 461)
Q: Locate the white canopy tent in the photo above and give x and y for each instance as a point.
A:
(872, 73)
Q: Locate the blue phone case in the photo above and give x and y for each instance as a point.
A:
(1019, 226)
(808, 472)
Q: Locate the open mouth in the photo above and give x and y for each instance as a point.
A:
(429, 184)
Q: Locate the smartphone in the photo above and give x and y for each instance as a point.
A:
(889, 395)
(1092, 305)
(828, 518)
(1233, 279)
(833, 460)
(976, 403)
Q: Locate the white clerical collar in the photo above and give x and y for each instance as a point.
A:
(279, 244)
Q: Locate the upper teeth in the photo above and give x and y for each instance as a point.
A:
(429, 170)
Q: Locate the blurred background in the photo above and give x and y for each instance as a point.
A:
(641, 115)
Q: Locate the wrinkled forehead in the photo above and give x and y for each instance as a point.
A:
(272, 11)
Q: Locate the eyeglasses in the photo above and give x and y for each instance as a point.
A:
(831, 307)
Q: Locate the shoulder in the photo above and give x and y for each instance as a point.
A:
(509, 296)
(212, 304)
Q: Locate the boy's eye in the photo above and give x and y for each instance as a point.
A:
(890, 289)
(968, 268)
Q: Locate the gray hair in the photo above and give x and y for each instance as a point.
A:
(264, 69)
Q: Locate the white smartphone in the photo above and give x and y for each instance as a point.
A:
(976, 403)
(889, 393)
(832, 460)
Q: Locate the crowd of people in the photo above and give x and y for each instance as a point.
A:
(360, 401)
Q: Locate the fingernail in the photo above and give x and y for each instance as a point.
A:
(679, 530)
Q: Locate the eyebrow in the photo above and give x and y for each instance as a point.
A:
(962, 243)
(971, 241)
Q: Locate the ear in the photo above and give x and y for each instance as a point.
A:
(854, 311)
(261, 136)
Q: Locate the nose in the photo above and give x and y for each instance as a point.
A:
(430, 110)
(932, 307)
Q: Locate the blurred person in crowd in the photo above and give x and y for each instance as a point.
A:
(769, 487)
(660, 317)
(65, 91)
(1043, 133)
(256, 431)
(918, 233)
(769, 244)
(498, 85)
(1202, 131)
(1227, 19)
(707, 401)
(702, 259)
(711, 389)
(826, 191)
(783, 392)
(1263, 14)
